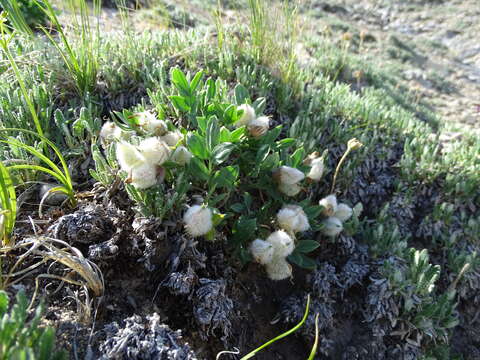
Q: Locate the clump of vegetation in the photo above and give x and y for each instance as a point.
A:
(24, 338)
(211, 147)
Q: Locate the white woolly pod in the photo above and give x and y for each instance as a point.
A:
(143, 176)
(293, 219)
(155, 127)
(121, 134)
(289, 190)
(329, 204)
(172, 138)
(259, 126)
(278, 269)
(283, 244)
(107, 133)
(262, 251)
(181, 155)
(288, 175)
(344, 212)
(198, 220)
(128, 156)
(247, 117)
(155, 151)
(332, 226)
(316, 170)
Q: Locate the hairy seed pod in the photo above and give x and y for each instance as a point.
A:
(198, 220)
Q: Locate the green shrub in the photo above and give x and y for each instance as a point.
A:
(21, 338)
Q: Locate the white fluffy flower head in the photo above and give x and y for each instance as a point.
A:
(283, 244)
(181, 155)
(128, 156)
(293, 219)
(332, 226)
(247, 117)
(155, 151)
(107, 133)
(259, 126)
(143, 176)
(344, 212)
(288, 175)
(172, 138)
(329, 204)
(262, 251)
(316, 171)
(289, 190)
(279, 269)
(198, 220)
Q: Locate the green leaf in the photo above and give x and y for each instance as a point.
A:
(285, 143)
(3, 302)
(241, 94)
(262, 154)
(196, 81)
(245, 228)
(202, 123)
(211, 90)
(230, 115)
(213, 133)
(272, 135)
(306, 246)
(237, 134)
(259, 105)
(180, 82)
(180, 103)
(313, 211)
(196, 145)
(237, 207)
(221, 152)
(224, 135)
(297, 157)
(301, 260)
(198, 169)
(226, 177)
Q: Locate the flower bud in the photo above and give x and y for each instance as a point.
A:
(332, 226)
(283, 244)
(309, 159)
(279, 269)
(143, 176)
(289, 190)
(128, 156)
(344, 212)
(247, 117)
(107, 133)
(293, 219)
(181, 155)
(354, 144)
(329, 204)
(198, 220)
(288, 175)
(259, 126)
(155, 151)
(316, 170)
(172, 138)
(261, 251)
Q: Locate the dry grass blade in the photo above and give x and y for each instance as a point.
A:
(58, 251)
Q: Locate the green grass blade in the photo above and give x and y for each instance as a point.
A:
(8, 200)
(292, 330)
(315, 344)
(15, 16)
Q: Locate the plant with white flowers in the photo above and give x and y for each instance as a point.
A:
(223, 156)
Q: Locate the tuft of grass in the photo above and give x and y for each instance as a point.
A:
(80, 57)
